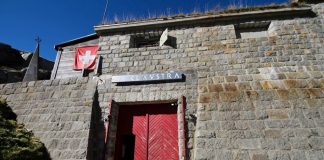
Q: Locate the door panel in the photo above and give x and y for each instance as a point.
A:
(154, 128)
(139, 128)
(163, 137)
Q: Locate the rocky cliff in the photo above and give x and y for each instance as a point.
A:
(13, 64)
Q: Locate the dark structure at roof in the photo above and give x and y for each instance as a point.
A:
(76, 41)
(32, 70)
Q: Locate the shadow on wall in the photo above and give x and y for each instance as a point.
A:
(97, 132)
(17, 143)
(192, 119)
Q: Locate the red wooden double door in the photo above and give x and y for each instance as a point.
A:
(147, 132)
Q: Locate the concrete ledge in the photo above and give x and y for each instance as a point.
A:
(220, 18)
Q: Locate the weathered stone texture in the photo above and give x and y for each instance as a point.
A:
(57, 111)
(250, 99)
(253, 98)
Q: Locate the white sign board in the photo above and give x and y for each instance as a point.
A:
(164, 37)
(168, 76)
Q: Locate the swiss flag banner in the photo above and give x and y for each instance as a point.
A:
(85, 57)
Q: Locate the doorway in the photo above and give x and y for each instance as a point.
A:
(147, 132)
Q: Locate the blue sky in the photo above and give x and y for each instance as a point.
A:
(56, 21)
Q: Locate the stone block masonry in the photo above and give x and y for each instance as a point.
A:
(246, 99)
(57, 111)
(250, 99)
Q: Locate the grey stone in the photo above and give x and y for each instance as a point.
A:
(316, 143)
(298, 155)
(279, 155)
(249, 143)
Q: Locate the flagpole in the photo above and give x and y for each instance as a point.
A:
(104, 15)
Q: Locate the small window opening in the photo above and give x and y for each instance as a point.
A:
(145, 41)
(252, 30)
(150, 40)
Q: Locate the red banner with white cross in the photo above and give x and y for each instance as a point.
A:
(85, 58)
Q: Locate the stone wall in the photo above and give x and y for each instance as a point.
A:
(57, 111)
(254, 98)
(266, 102)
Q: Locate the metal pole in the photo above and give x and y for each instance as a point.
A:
(104, 15)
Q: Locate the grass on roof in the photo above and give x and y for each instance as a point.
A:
(196, 13)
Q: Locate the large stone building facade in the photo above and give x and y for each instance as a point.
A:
(252, 86)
